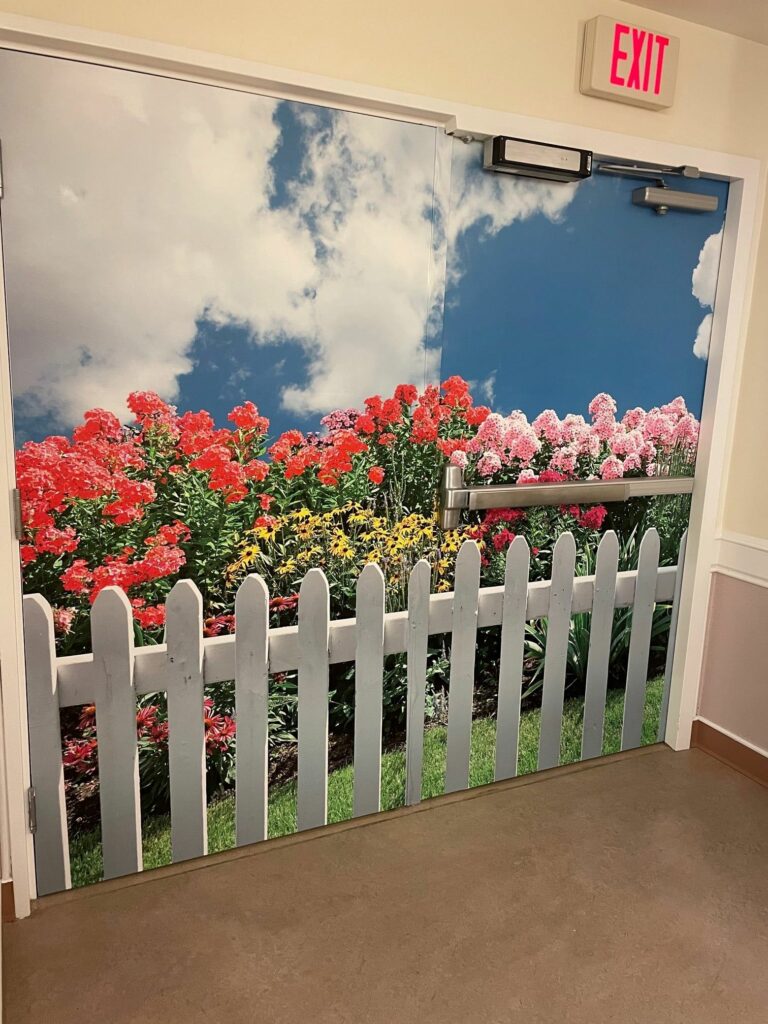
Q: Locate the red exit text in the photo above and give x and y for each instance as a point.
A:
(637, 60)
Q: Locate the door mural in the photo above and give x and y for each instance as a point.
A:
(567, 290)
(248, 334)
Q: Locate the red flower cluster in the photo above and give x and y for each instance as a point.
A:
(80, 754)
(592, 518)
(131, 497)
(437, 405)
(497, 522)
(246, 418)
(148, 616)
(161, 560)
(219, 729)
(103, 460)
(407, 414)
(502, 515)
(150, 410)
(332, 457)
(93, 493)
(95, 465)
(215, 625)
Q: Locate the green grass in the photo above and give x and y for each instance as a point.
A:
(85, 850)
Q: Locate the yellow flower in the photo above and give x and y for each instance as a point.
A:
(309, 554)
(287, 567)
(267, 532)
(375, 532)
(451, 542)
(305, 530)
(443, 586)
(361, 515)
(340, 545)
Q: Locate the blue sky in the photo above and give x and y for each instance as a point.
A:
(597, 300)
(216, 246)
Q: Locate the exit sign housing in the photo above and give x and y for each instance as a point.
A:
(629, 63)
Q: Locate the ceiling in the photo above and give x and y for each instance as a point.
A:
(748, 18)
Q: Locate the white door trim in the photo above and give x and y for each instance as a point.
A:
(13, 694)
(743, 557)
(728, 332)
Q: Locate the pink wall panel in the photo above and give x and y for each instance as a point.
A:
(734, 690)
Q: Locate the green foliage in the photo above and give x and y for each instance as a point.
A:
(664, 516)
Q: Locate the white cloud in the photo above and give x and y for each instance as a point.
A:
(487, 387)
(137, 204)
(367, 191)
(496, 200)
(703, 334)
(703, 286)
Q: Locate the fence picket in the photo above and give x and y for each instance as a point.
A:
(511, 663)
(314, 618)
(672, 637)
(462, 677)
(369, 679)
(599, 658)
(555, 659)
(113, 674)
(113, 658)
(251, 710)
(640, 640)
(186, 729)
(416, 653)
(46, 766)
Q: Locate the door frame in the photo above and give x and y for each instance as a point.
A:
(719, 405)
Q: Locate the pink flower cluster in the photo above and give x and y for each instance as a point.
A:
(503, 441)
(651, 443)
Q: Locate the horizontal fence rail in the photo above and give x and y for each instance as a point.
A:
(76, 672)
(455, 495)
(116, 673)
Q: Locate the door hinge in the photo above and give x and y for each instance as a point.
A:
(32, 809)
(18, 522)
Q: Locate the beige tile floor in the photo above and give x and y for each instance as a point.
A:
(633, 890)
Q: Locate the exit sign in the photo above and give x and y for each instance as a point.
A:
(628, 63)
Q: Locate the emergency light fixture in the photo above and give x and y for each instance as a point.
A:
(536, 159)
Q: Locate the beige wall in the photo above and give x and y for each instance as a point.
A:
(515, 55)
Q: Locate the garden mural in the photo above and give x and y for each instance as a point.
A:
(247, 335)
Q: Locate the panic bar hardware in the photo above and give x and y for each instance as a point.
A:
(455, 495)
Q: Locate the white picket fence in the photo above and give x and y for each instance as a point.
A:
(116, 673)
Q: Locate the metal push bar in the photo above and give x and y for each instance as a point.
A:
(455, 495)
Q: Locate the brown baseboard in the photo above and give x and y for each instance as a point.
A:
(7, 905)
(736, 755)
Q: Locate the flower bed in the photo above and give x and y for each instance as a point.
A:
(174, 495)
